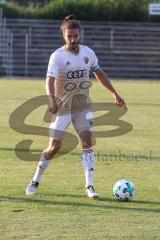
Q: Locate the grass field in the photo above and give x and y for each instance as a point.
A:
(60, 210)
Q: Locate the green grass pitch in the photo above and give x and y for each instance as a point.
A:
(60, 210)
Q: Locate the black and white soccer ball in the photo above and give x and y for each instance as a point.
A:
(124, 190)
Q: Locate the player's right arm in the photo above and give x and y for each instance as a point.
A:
(51, 94)
(52, 74)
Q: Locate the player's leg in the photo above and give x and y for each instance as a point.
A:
(83, 125)
(44, 162)
(88, 161)
(57, 129)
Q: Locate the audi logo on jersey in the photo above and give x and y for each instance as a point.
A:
(76, 74)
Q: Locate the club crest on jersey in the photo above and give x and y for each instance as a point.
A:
(86, 60)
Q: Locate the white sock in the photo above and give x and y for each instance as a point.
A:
(42, 165)
(88, 164)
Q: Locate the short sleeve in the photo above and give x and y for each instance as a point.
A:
(53, 66)
(94, 61)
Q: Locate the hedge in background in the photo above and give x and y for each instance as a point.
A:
(97, 10)
(27, 3)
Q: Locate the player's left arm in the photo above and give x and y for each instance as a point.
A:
(103, 78)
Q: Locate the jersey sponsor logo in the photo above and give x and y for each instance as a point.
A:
(86, 60)
(76, 74)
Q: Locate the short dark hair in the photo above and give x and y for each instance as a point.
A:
(70, 22)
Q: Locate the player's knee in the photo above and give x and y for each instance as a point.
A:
(52, 150)
(56, 146)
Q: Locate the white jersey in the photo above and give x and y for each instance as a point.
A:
(71, 72)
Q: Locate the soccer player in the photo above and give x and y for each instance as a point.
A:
(67, 86)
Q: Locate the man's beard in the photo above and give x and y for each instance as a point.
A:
(73, 46)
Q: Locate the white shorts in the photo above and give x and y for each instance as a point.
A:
(81, 121)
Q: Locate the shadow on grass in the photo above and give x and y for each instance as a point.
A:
(133, 202)
(92, 204)
(101, 199)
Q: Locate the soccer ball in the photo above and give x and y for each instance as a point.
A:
(124, 190)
